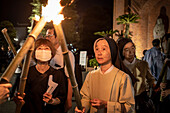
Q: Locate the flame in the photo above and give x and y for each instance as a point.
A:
(52, 11)
(36, 18)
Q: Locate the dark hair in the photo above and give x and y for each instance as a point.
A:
(50, 26)
(144, 51)
(156, 42)
(121, 43)
(46, 42)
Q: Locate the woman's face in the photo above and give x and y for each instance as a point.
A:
(129, 52)
(43, 53)
(102, 52)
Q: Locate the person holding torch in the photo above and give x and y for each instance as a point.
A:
(58, 62)
(39, 98)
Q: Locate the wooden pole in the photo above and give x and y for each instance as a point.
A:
(62, 41)
(4, 32)
(5, 78)
(23, 77)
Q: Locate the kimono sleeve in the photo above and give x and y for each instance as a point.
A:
(85, 93)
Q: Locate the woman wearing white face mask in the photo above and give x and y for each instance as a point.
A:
(37, 98)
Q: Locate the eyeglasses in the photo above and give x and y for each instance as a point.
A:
(49, 36)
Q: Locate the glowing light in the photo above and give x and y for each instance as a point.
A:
(52, 11)
(37, 18)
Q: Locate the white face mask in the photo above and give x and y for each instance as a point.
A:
(43, 55)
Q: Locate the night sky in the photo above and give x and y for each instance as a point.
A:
(18, 11)
(97, 16)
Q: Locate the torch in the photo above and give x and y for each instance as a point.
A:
(4, 32)
(23, 77)
(60, 34)
(61, 37)
(5, 78)
(25, 69)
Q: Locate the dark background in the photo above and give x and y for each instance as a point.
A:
(95, 15)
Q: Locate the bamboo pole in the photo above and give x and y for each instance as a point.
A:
(18, 58)
(61, 37)
(4, 32)
(23, 77)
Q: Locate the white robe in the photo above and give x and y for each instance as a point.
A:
(115, 87)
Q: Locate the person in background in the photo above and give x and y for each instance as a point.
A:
(37, 98)
(163, 83)
(140, 70)
(4, 92)
(58, 62)
(144, 51)
(154, 57)
(10, 55)
(107, 89)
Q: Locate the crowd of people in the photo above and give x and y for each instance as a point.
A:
(122, 84)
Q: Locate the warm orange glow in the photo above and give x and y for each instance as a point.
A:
(52, 11)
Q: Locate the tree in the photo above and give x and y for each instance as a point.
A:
(71, 24)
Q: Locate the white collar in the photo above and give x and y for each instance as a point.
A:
(109, 70)
(127, 62)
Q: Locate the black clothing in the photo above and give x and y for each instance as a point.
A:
(37, 85)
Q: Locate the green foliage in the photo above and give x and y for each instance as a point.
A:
(105, 34)
(36, 10)
(125, 19)
(93, 62)
(11, 32)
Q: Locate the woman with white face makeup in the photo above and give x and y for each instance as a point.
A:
(37, 98)
(107, 89)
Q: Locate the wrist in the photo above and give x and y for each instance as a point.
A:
(55, 101)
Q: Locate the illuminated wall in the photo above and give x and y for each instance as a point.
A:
(148, 11)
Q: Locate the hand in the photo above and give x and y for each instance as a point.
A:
(162, 85)
(18, 99)
(79, 111)
(4, 92)
(98, 104)
(47, 97)
(165, 93)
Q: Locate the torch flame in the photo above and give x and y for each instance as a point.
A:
(36, 18)
(52, 11)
